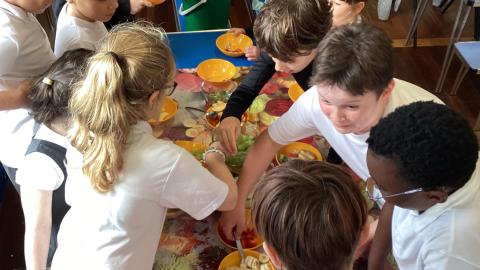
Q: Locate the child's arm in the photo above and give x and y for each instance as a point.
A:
(241, 99)
(382, 241)
(37, 206)
(256, 162)
(15, 98)
(216, 165)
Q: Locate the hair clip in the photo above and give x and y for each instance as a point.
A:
(47, 81)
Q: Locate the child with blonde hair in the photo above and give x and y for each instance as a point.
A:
(121, 179)
(42, 172)
(80, 24)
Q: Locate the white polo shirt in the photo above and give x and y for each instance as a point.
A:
(444, 237)
(305, 118)
(38, 170)
(74, 33)
(121, 229)
(25, 53)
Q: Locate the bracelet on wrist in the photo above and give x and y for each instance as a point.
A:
(213, 150)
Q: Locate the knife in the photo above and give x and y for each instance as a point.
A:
(239, 247)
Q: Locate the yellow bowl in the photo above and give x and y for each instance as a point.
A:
(295, 91)
(233, 259)
(216, 70)
(169, 109)
(250, 238)
(233, 45)
(295, 147)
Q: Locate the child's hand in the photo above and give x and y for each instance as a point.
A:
(236, 31)
(252, 53)
(137, 5)
(233, 220)
(229, 130)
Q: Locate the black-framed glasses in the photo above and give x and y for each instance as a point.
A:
(370, 188)
(172, 89)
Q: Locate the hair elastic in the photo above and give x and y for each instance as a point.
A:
(47, 81)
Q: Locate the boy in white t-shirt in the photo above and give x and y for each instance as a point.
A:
(80, 24)
(353, 89)
(423, 157)
(25, 53)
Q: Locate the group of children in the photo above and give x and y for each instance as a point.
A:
(90, 101)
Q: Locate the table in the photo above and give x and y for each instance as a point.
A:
(187, 243)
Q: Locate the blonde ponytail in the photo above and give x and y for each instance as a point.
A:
(132, 63)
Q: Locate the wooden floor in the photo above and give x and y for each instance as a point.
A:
(420, 66)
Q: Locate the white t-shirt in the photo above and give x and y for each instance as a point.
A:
(446, 236)
(305, 118)
(74, 33)
(121, 229)
(25, 53)
(38, 170)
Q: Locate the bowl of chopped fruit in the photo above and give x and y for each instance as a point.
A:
(253, 261)
(297, 150)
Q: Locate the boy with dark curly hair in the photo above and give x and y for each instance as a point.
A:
(311, 215)
(423, 158)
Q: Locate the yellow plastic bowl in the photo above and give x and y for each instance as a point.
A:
(232, 45)
(295, 91)
(169, 109)
(233, 259)
(216, 70)
(295, 147)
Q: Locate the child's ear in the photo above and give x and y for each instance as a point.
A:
(272, 254)
(358, 7)
(387, 92)
(437, 195)
(153, 100)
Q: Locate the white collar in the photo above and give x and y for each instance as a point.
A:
(461, 197)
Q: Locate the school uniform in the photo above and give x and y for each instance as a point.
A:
(26, 54)
(121, 229)
(445, 236)
(43, 168)
(74, 33)
(305, 118)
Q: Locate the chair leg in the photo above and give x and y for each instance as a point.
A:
(454, 37)
(460, 76)
(416, 19)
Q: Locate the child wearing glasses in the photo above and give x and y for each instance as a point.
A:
(423, 157)
(121, 179)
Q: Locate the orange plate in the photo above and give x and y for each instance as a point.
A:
(297, 146)
(295, 91)
(233, 45)
(233, 259)
(216, 70)
(169, 109)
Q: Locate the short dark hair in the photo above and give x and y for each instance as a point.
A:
(289, 28)
(51, 101)
(432, 145)
(311, 213)
(357, 58)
